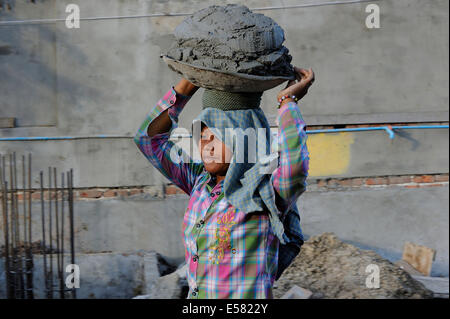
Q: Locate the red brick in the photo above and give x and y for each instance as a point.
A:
(180, 191)
(135, 191)
(110, 193)
(412, 186)
(345, 182)
(441, 178)
(91, 193)
(171, 190)
(321, 183)
(122, 192)
(377, 181)
(423, 179)
(36, 195)
(333, 182)
(417, 179)
(399, 180)
(357, 181)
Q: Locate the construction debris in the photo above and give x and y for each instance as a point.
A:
(420, 257)
(330, 268)
(297, 292)
(408, 268)
(439, 286)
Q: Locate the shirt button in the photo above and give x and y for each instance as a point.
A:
(200, 223)
(195, 258)
(194, 292)
(172, 101)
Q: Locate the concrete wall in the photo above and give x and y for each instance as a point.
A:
(104, 77)
(101, 276)
(378, 217)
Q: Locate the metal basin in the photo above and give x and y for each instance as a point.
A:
(222, 80)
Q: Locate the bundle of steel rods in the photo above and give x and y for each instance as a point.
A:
(19, 252)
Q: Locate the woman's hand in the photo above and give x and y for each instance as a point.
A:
(185, 87)
(299, 87)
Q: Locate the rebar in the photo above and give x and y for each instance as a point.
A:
(72, 236)
(4, 186)
(18, 249)
(50, 232)
(44, 254)
(29, 262)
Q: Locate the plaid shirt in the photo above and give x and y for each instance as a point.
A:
(230, 254)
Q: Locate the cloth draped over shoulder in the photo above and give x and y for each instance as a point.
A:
(247, 185)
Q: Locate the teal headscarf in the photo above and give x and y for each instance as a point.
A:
(247, 184)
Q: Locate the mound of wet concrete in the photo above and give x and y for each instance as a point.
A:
(232, 38)
(331, 268)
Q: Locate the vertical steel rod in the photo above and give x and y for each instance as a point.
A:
(58, 263)
(4, 185)
(50, 231)
(13, 234)
(72, 243)
(43, 245)
(21, 290)
(25, 242)
(61, 285)
(30, 242)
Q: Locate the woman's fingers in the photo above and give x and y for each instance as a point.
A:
(300, 86)
(290, 83)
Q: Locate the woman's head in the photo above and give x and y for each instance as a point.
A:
(216, 156)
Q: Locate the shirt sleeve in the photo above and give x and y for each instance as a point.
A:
(170, 159)
(289, 178)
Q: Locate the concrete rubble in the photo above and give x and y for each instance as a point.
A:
(330, 268)
(171, 286)
(232, 38)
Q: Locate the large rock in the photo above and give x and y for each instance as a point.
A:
(331, 268)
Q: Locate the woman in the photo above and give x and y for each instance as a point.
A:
(233, 226)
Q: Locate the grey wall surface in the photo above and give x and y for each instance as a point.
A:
(104, 77)
(359, 70)
(382, 219)
(118, 162)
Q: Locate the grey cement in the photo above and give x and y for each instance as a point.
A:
(232, 38)
(333, 269)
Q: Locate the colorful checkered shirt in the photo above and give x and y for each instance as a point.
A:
(229, 253)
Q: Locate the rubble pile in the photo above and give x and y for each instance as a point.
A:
(330, 268)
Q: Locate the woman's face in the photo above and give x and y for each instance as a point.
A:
(216, 156)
